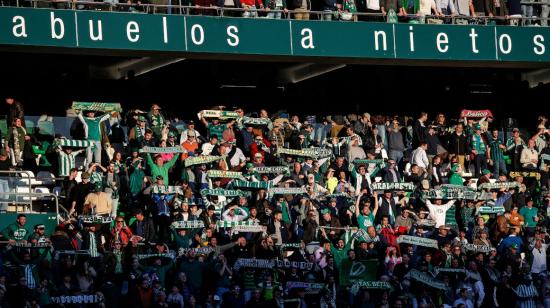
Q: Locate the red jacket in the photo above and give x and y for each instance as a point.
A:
(123, 235)
(252, 2)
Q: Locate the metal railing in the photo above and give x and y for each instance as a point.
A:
(253, 12)
(9, 178)
(42, 196)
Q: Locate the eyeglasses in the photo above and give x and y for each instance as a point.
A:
(120, 221)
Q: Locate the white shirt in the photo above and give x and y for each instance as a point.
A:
(426, 7)
(420, 158)
(237, 158)
(373, 4)
(437, 212)
(539, 260)
(207, 148)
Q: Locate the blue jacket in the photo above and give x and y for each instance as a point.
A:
(509, 241)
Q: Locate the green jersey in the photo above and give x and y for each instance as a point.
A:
(15, 232)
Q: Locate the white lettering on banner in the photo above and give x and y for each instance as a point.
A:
(473, 35)
(308, 38)
(132, 31)
(232, 33)
(538, 41)
(194, 36)
(22, 32)
(384, 43)
(56, 21)
(164, 30)
(99, 36)
(508, 44)
(442, 38)
(411, 37)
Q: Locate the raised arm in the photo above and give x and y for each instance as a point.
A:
(375, 210)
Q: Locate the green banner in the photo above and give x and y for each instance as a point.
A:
(353, 271)
(28, 27)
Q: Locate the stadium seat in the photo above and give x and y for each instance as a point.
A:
(46, 177)
(24, 180)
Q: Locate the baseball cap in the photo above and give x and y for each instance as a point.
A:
(515, 129)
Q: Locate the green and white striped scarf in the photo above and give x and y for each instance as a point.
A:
(253, 185)
(72, 143)
(166, 190)
(104, 107)
(221, 224)
(393, 186)
(287, 191)
(247, 121)
(315, 153)
(273, 170)
(204, 159)
(224, 192)
(498, 185)
(160, 150)
(187, 224)
(225, 174)
(218, 114)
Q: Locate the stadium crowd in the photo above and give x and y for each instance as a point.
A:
(237, 208)
(509, 12)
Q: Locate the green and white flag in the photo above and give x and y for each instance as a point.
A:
(252, 185)
(187, 224)
(224, 192)
(418, 241)
(221, 114)
(393, 186)
(287, 190)
(272, 170)
(315, 153)
(169, 255)
(103, 107)
(72, 143)
(199, 160)
(477, 248)
(225, 174)
(270, 263)
(498, 185)
(353, 271)
(160, 150)
(426, 279)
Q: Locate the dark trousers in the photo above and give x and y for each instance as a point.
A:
(480, 163)
(163, 224)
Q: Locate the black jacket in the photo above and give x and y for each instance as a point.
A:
(16, 111)
(419, 134)
(384, 209)
(148, 229)
(458, 145)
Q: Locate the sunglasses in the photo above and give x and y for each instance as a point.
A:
(120, 221)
